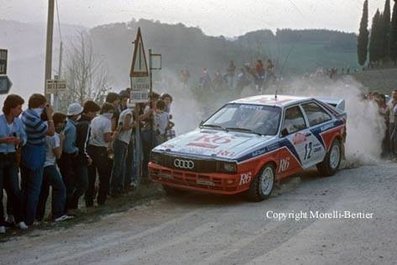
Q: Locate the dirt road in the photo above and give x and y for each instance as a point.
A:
(202, 229)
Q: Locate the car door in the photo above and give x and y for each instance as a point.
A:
(299, 141)
(317, 117)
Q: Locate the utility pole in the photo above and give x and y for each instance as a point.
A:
(150, 73)
(56, 96)
(48, 54)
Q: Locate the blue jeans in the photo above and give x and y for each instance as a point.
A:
(31, 188)
(10, 182)
(133, 162)
(148, 143)
(52, 177)
(119, 163)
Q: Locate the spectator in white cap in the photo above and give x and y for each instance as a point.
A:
(67, 162)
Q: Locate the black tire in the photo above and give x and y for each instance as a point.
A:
(171, 191)
(257, 191)
(330, 165)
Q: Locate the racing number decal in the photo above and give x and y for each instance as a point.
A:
(308, 150)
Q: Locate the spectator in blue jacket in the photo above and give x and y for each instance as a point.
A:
(38, 123)
(68, 162)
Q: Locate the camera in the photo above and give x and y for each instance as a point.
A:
(43, 115)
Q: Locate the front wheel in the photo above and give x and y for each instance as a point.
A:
(262, 186)
(331, 162)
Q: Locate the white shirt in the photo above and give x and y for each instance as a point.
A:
(161, 120)
(52, 142)
(99, 126)
(125, 135)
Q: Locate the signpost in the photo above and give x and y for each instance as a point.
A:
(3, 61)
(139, 73)
(5, 84)
(54, 86)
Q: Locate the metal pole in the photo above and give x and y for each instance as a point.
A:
(48, 55)
(150, 71)
(60, 60)
(56, 97)
(150, 101)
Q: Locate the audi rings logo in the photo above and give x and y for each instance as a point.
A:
(184, 164)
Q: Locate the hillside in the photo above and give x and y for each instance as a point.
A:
(381, 80)
(294, 52)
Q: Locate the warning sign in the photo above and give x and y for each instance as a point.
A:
(139, 67)
(139, 74)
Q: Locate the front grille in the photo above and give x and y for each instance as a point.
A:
(194, 180)
(200, 166)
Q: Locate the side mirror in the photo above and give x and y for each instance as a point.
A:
(201, 124)
(284, 132)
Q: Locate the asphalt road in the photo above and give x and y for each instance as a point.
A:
(203, 229)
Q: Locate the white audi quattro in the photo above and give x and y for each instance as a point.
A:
(250, 143)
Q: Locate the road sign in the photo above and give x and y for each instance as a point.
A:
(140, 87)
(54, 86)
(5, 84)
(3, 62)
(139, 66)
(139, 96)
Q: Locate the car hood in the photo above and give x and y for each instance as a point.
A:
(214, 144)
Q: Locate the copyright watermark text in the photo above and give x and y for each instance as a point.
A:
(282, 216)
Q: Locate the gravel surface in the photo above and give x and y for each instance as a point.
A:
(204, 229)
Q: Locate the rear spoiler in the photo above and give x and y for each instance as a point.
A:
(337, 103)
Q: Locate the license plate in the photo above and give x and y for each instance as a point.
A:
(205, 182)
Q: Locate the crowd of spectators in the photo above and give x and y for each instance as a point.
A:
(90, 152)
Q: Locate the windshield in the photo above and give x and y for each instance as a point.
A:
(246, 117)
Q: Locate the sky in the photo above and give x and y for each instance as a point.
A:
(215, 17)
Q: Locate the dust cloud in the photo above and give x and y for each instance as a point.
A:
(365, 127)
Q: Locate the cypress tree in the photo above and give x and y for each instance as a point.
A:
(376, 38)
(362, 40)
(386, 31)
(393, 35)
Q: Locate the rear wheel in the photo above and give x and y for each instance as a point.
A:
(332, 160)
(262, 186)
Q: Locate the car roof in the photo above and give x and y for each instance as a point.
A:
(272, 100)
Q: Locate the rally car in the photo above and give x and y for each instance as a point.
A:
(250, 143)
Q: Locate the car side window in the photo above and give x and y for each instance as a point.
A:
(294, 120)
(315, 113)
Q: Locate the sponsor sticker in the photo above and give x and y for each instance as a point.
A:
(245, 178)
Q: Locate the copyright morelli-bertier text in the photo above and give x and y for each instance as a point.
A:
(282, 216)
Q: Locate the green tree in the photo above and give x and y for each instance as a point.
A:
(376, 39)
(386, 31)
(362, 40)
(393, 35)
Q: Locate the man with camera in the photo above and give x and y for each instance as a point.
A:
(37, 122)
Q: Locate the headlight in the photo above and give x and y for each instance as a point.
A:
(226, 167)
(155, 157)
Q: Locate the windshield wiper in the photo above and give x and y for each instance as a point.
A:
(241, 130)
(216, 126)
